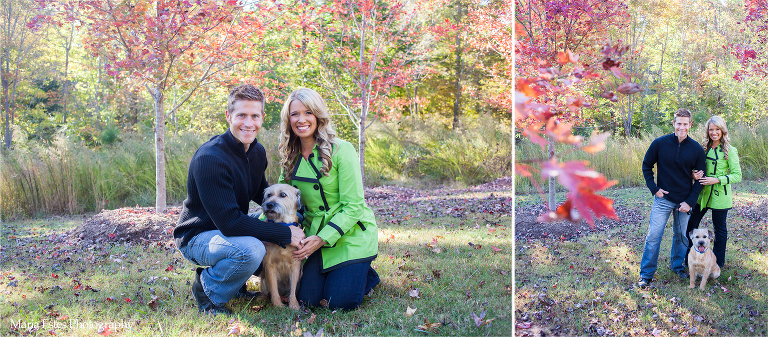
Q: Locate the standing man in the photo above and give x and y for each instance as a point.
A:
(675, 157)
(214, 229)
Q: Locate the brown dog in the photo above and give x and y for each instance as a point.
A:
(701, 259)
(280, 271)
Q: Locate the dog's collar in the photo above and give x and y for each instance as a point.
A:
(705, 250)
(283, 223)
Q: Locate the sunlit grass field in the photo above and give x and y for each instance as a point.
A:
(587, 286)
(438, 256)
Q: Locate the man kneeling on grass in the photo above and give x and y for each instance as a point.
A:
(214, 229)
(675, 157)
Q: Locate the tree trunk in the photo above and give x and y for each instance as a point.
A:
(160, 202)
(7, 130)
(552, 185)
(364, 85)
(457, 99)
(361, 140)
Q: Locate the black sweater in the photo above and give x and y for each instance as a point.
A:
(222, 180)
(674, 163)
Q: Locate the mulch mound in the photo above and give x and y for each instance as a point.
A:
(527, 227)
(757, 211)
(144, 225)
(137, 224)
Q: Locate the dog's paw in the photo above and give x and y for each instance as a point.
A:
(691, 286)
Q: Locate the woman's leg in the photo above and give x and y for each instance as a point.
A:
(721, 234)
(312, 281)
(693, 222)
(345, 286)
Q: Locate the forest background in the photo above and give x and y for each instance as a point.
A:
(99, 95)
(607, 77)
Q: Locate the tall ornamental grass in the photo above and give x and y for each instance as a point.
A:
(622, 158)
(414, 151)
(67, 177)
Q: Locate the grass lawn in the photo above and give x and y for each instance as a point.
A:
(446, 253)
(587, 286)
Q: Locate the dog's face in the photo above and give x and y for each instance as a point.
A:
(700, 239)
(281, 202)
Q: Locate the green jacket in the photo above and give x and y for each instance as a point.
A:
(728, 171)
(335, 208)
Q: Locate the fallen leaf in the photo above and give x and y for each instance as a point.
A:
(427, 327)
(495, 249)
(311, 319)
(409, 312)
(257, 308)
(104, 331)
(436, 273)
(153, 303)
(414, 293)
(319, 333)
(523, 325)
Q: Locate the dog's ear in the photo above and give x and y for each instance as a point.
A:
(690, 234)
(711, 235)
(298, 199)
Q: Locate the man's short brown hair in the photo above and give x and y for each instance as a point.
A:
(682, 113)
(244, 92)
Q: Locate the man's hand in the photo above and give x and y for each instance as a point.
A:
(697, 174)
(684, 207)
(297, 235)
(311, 244)
(660, 193)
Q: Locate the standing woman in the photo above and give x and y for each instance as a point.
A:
(722, 170)
(342, 237)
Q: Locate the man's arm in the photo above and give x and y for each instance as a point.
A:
(215, 186)
(650, 159)
(701, 165)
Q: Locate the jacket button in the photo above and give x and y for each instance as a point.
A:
(317, 187)
(322, 208)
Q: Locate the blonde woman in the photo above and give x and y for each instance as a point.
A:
(722, 170)
(342, 237)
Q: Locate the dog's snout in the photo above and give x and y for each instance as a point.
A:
(269, 205)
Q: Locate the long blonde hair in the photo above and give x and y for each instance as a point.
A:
(725, 140)
(290, 145)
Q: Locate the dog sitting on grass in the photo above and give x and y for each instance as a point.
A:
(280, 271)
(701, 259)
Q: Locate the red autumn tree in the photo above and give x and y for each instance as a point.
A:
(364, 49)
(164, 44)
(752, 52)
(549, 92)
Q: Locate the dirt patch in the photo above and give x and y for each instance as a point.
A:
(138, 224)
(528, 227)
(144, 225)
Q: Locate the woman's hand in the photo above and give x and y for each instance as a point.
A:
(310, 245)
(709, 181)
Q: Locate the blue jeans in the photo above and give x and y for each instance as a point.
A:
(659, 216)
(343, 287)
(232, 261)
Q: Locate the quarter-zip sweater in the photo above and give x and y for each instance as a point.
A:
(674, 161)
(223, 178)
